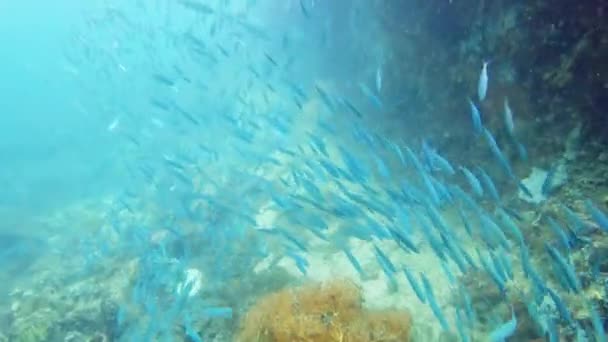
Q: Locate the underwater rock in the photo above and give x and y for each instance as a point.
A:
(542, 183)
(534, 183)
(34, 327)
(18, 252)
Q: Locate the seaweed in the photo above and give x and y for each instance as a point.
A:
(330, 311)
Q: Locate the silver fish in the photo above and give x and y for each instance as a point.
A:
(482, 86)
(379, 79)
(509, 118)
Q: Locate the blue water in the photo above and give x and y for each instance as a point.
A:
(165, 164)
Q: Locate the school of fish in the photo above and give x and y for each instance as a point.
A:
(273, 164)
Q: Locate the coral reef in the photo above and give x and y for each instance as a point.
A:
(65, 302)
(321, 312)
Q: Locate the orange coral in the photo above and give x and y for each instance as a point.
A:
(330, 312)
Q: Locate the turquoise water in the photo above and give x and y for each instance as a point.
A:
(169, 164)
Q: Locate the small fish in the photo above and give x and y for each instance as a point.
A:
(330, 168)
(505, 330)
(598, 325)
(561, 306)
(217, 312)
(489, 184)
(456, 253)
(325, 98)
(433, 303)
(506, 263)
(360, 134)
(495, 232)
(384, 260)
(462, 332)
(223, 50)
(442, 191)
(448, 272)
(271, 60)
(475, 117)
(186, 115)
(436, 245)
(297, 243)
(114, 124)
(383, 170)
(465, 220)
(498, 154)
(525, 190)
(559, 232)
(197, 7)
(355, 263)
(404, 241)
(469, 259)
(414, 159)
(530, 272)
(598, 216)
(436, 218)
(496, 276)
(548, 185)
(509, 118)
(318, 144)
(312, 190)
(164, 80)
(575, 222)
(301, 262)
(190, 331)
(468, 305)
(521, 151)
(304, 10)
(507, 221)
(371, 96)
(482, 86)
(581, 335)
(379, 79)
(160, 104)
(439, 162)
(566, 269)
(297, 89)
(473, 181)
(414, 284)
(553, 330)
(387, 267)
(466, 199)
(356, 168)
(352, 108)
(432, 191)
(174, 163)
